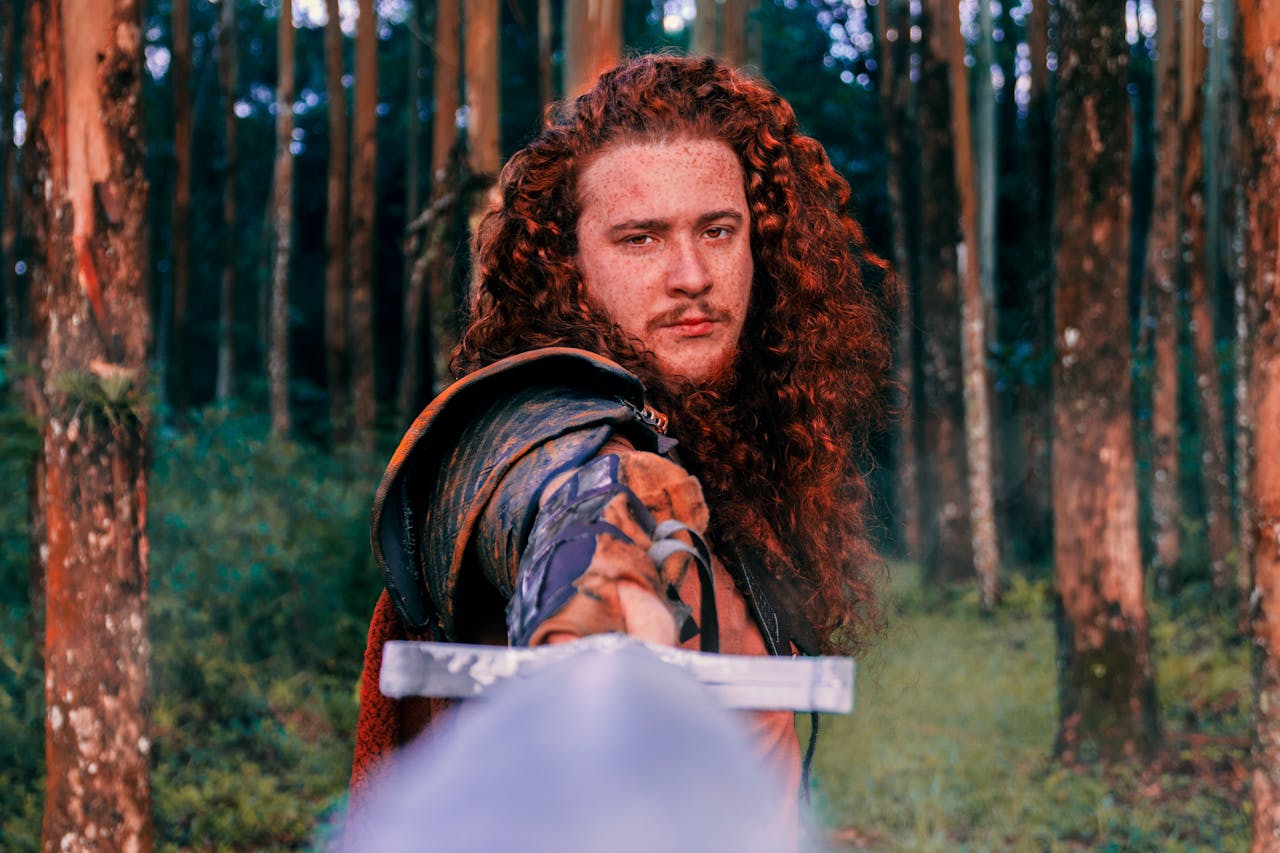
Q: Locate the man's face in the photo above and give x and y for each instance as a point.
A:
(664, 248)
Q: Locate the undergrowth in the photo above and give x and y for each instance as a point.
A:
(949, 747)
(261, 586)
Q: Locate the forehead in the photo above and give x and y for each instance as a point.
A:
(661, 178)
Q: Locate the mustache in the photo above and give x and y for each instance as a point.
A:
(696, 309)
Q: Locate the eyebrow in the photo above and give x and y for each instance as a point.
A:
(664, 224)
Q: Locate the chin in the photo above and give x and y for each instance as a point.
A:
(697, 372)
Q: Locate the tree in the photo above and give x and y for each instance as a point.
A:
(728, 29)
(1259, 27)
(364, 201)
(973, 313)
(940, 454)
(893, 22)
(1210, 418)
(446, 82)
(335, 269)
(183, 121)
(9, 26)
(228, 81)
(282, 226)
(92, 321)
(592, 41)
(1106, 682)
(1162, 286)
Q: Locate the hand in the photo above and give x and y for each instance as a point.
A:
(646, 617)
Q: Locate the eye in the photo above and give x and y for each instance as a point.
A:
(717, 232)
(637, 240)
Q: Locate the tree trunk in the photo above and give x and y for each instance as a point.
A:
(1106, 679)
(944, 508)
(973, 317)
(177, 381)
(1209, 413)
(592, 42)
(92, 322)
(9, 26)
(728, 30)
(414, 286)
(1031, 510)
(335, 269)
(1162, 285)
(442, 312)
(893, 20)
(282, 220)
(228, 77)
(1259, 27)
(364, 200)
(546, 82)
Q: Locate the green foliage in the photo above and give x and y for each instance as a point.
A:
(261, 591)
(261, 587)
(949, 745)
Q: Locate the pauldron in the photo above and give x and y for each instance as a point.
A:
(485, 449)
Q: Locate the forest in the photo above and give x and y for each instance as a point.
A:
(234, 263)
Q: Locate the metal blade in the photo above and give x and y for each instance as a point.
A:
(455, 670)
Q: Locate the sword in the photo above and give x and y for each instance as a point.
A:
(460, 671)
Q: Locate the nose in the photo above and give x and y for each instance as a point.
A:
(688, 274)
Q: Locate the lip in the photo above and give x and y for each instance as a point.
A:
(693, 326)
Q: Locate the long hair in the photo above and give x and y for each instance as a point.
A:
(778, 456)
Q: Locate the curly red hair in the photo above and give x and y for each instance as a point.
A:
(778, 456)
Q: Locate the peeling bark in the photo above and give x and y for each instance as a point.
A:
(336, 356)
(592, 42)
(943, 468)
(1259, 28)
(364, 201)
(92, 322)
(1106, 677)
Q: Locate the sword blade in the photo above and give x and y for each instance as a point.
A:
(459, 671)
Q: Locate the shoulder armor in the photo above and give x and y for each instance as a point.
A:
(559, 404)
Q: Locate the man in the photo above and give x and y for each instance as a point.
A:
(678, 347)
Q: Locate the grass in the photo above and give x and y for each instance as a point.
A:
(949, 746)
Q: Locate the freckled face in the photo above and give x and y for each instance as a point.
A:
(664, 248)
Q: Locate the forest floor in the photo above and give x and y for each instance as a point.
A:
(949, 746)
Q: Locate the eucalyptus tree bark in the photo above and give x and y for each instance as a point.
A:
(1209, 413)
(1259, 28)
(364, 200)
(1162, 267)
(228, 81)
(592, 42)
(176, 380)
(1106, 679)
(973, 316)
(282, 225)
(893, 25)
(336, 357)
(442, 311)
(92, 325)
(943, 470)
